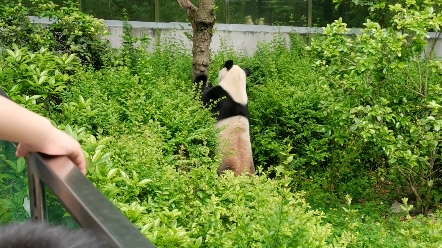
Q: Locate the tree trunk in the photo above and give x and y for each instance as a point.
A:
(202, 20)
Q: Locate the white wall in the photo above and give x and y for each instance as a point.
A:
(241, 37)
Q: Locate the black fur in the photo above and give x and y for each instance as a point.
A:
(42, 235)
(248, 72)
(228, 64)
(201, 79)
(225, 106)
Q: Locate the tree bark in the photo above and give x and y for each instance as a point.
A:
(202, 20)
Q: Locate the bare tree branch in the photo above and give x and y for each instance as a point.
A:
(188, 7)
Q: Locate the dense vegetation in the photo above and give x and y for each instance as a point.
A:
(340, 131)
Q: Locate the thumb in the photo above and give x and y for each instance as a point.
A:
(22, 150)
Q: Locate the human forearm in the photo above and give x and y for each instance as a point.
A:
(34, 133)
(18, 124)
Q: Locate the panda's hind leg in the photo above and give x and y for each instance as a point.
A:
(227, 164)
(237, 168)
(236, 147)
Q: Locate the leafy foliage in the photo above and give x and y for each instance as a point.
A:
(388, 95)
(335, 143)
(15, 189)
(201, 209)
(36, 79)
(70, 30)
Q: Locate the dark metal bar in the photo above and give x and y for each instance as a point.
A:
(157, 10)
(86, 204)
(40, 200)
(36, 195)
(32, 194)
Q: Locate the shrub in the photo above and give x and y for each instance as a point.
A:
(199, 209)
(158, 128)
(71, 31)
(387, 96)
(151, 147)
(36, 79)
(128, 102)
(285, 110)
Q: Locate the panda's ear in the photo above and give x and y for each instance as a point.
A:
(228, 64)
(248, 72)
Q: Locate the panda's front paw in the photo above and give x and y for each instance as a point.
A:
(207, 87)
(201, 78)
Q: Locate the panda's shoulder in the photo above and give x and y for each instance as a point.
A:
(218, 91)
(213, 94)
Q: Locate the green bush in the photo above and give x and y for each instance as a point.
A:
(71, 31)
(128, 102)
(285, 109)
(199, 209)
(158, 127)
(319, 135)
(36, 79)
(15, 187)
(385, 97)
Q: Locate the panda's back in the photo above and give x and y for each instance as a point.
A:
(226, 107)
(231, 111)
(234, 84)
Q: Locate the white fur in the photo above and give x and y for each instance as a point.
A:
(234, 82)
(235, 145)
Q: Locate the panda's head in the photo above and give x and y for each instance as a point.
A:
(232, 79)
(230, 68)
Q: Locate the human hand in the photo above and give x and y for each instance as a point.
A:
(56, 143)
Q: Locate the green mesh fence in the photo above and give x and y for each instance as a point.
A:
(14, 196)
(13, 185)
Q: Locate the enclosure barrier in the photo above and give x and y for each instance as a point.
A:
(85, 203)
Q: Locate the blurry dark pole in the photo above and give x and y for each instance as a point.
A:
(157, 10)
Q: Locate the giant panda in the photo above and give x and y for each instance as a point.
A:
(230, 107)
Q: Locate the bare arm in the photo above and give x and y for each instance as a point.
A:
(18, 124)
(34, 133)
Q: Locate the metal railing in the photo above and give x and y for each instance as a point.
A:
(84, 202)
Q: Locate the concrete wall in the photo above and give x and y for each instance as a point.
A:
(241, 37)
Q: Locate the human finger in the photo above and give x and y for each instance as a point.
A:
(79, 160)
(22, 150)
(76, 156)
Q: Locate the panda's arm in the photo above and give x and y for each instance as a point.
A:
(213, 94)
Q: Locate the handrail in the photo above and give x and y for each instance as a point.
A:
(86, 204)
